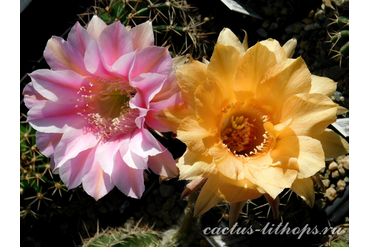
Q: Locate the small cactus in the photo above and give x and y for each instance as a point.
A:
(173, 23)
(339, 37)
(37, 184)
(130, 236)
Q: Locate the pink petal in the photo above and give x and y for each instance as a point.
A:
(115, 41)
(58, 86)
(170, 87)
(96, 182)
(106, 152)
(75, 169)
(46, 142)
(142, 35)
(79, 38)
(52, 165)
(152, 59)
(123, 66)
(140, 119)
(163, 164)
(94, 61)
(95, 27)
(155, 107)
(86, 169)
(129, 181)
(51, 117)
(143, 143)
(72, 143)
(60, 55)
(148, 86)
(135, 161)
(32, 97)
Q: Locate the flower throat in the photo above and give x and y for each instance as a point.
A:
(106, 108)
(242, 130)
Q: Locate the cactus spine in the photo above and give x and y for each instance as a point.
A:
(339, 37)
(129, 235)
(37, 184)
(174, 23)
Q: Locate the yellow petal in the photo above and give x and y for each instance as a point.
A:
(282, 81)
(303, 151)
(197, 138)
(172, 116)
(269, 176)
(273, 179)
(273, 132)
(253, 66)
(304, 189)
(291, 156)
(322, 85)
(237, 190)
(209, 100)
(195, 166)
(341, 110)
(289, 47)
(272, 190)
(333, 144)
(227, 163)
(208, 197)
(245, 41)
(228, 38)
(205, 61)
(179, 61)
(234, 212)
(222, 68)
(192, 186)
(189, 76)
(310, 114)
(274, 46)
(274, 204)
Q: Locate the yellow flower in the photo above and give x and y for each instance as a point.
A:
(254, 121)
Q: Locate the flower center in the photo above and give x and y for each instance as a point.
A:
(106, 108)
(242, 130)
(113, 98)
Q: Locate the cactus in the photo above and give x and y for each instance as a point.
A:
(133, 236)
(37, 184)
(339, 37)
(173, 23)
(339, 244)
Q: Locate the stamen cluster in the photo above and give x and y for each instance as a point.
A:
(106, 108)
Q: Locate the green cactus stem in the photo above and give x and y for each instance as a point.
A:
(342, 34)
(35, 174)
(344, 50)
(342, 21)
(339, 37)
(123, 237)
(342, 53)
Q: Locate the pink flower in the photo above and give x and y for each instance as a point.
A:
(93, 108)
